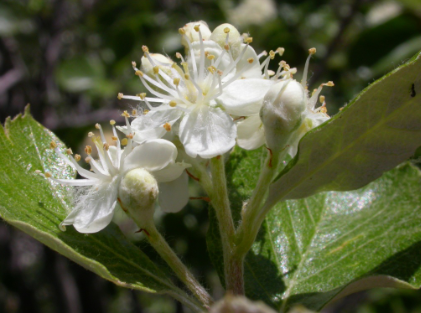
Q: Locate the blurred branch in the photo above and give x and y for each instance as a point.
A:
(9, 79)
(336, 41)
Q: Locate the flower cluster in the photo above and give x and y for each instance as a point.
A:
(218, 95)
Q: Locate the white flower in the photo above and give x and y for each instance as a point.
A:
(221, 76)
(94, 206)
(287, 113)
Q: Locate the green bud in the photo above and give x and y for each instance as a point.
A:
(138, 192)
(281, 112)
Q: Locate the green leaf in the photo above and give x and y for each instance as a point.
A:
(378, 130)
(37, 205)
(313, 250)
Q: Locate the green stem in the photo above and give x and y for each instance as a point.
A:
(164, 250)
(233, 265)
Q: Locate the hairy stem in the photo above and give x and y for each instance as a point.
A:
(233, 266)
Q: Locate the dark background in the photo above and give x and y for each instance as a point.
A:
(70, 58)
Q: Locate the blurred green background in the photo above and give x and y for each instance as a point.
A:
(70, 58)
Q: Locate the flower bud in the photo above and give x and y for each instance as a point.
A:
(193, 35)
(228, 37)
(281, 112)
(137, 193)
(159, 59)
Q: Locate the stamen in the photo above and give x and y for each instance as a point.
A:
(250, 60)
(88, 150)
(77, 157)
(112, 122)
(134, 112)
(120, 96)
(167, 127)
(124, 142)
(69, 151)
(311, 51)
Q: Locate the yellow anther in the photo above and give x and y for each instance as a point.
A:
(176, 81)
(323, 109)
(220, 72)
(322, 99)
(226, 47)
(282, 63)
(178, 55)
(88, 150)
(210, 57)
(69, 151)
(112, 122)
(182, 31)
(329, 84)
(155, 70)
(145, 49)
(114, 138)
(250, 60)
(133, 64)
(142, 95)
(145, 112)
(130, 136)
(97, 126)
(314, 91)
(186, 76)
(312, 50)
(138, 73)
(206, 53)
(47, 175)
(53, 144)
(167, 127)
(124, 142)
(172, 103)
(197, 27)
(120, 96)
(226, 30)
(90, 134)
(272, 54)
(248, 40)
(125, 114)
(212, 69)
(134, 112)
(280, 51)
(77, 157)
(106, 146)
(88, 159)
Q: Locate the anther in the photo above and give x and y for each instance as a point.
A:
(178, 55)
(91, 134)
(120, 96)
(142, 95)
(186, 76)
(272, 54)
(167, 127)
(155, 70)
(47, 175)
(182, 31)
(112, 122)
(124, 142)
(248, 40)
(226, 30)
(329, 84)
(133, 63)
(323, 109)
(77, 157)
(106, 146)
(280, 51)
(197, 27)
(38, 172)
(134, 112)
(130, 136)
(226, 47)
(176, 81)
(138, 73)
(88, 150)
(212, 69)
(53, 144)
(322, 99)
(114, 138)
(88, 159)
(69, 151)
(210, 57)
(97, 126)
(172, 103)
(312, 51)
(145, 49)
(250, 60)
(145, 112)
(125, 114)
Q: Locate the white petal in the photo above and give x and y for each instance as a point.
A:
(253, 69)
(170, 172)
(152, 155)
(95, 209)
(207, 132)
(250, 133)
(151, 125)
(173, 196)
(244, 97)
